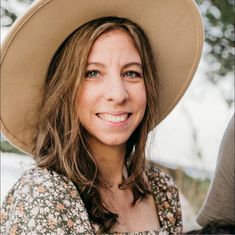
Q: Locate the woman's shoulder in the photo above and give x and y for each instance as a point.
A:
(43, 177)
(163, 186)
(166, 195)
(38, 182)
(160, 178)
(45, 202)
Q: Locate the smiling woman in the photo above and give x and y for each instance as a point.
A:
(110, 103)
(96, 91)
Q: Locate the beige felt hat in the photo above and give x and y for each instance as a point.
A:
(174, 28)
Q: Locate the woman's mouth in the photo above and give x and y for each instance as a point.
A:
(115, 118)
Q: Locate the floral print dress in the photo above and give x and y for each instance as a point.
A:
(44, 202)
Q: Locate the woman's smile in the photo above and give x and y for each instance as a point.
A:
(114, 118)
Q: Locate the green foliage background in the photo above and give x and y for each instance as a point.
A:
(219, 27)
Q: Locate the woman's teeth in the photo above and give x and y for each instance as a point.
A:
(113, 118)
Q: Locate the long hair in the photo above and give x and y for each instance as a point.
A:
(60, 142)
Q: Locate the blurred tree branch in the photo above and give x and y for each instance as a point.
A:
(7, 17)
(219, 26)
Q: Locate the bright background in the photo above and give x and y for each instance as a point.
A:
(187, 141)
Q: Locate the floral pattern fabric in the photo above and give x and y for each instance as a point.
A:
(44, 202)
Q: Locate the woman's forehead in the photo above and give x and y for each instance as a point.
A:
(114, 45)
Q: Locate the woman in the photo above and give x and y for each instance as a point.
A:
(94, 97)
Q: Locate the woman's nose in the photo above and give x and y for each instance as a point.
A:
(116, 90)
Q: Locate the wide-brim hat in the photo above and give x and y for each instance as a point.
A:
(174, 28)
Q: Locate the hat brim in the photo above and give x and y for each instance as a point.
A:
(174, 28)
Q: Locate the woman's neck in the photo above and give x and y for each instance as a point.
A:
(110, 162)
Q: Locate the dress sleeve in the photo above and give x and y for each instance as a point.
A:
(43, 203)
(167, 198)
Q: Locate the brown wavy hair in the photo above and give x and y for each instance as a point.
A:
(60, 143)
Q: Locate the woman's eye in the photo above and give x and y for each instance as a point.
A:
(132, 74)
(92, 74)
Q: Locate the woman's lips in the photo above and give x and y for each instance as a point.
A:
(115, 118)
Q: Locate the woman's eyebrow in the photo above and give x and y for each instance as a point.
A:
(124, 67)
(95, 63)
(132, 64)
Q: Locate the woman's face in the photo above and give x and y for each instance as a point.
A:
(112, 99)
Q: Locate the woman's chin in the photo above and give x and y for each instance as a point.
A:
(110, 141)
(114, 142)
